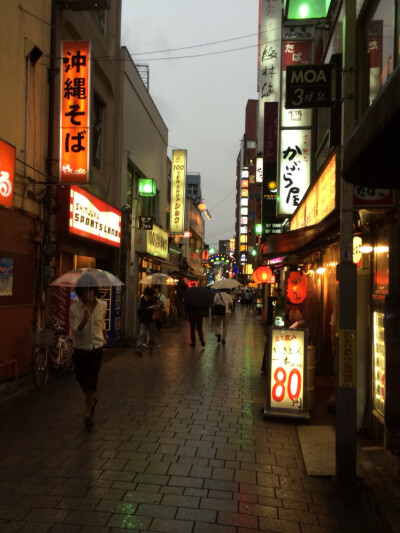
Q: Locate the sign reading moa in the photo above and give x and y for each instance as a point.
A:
(309, 86)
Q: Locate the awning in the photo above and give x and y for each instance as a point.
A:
(303, 239)
(371, 154)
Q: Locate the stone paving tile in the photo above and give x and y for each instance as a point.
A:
(171, 526)
(123, 522)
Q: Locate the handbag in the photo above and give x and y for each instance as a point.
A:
(219, 309)
(158, 311)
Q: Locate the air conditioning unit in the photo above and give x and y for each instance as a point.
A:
(86, 5)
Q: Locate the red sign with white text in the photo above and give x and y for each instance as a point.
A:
(7, 165)
(92, 218)
(75, 111)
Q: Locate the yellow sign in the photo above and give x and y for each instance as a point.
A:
(347, 358)
(157, 242)
(320, 201)
(178, 186)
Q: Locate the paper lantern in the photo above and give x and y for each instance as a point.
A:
(297, 287)
(262, 274)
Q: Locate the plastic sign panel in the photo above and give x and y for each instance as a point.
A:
(309, 86)
(92, 218)
(294, 171)
(269, 63)
(320, 200)
(259, 169)
(75, 111)
(286, 369)
(178, 187)
(7, 165)
(157, 242)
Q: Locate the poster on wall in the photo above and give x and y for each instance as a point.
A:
(6, 276)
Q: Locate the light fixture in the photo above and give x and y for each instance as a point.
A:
(147, 187)
(201, 206)
(320, 268)
(365, 247)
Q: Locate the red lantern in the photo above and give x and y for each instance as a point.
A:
(297, 287)
(262, 274)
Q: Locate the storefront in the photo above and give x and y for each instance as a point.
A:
(89, 232)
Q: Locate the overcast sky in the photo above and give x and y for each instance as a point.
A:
(202, 100)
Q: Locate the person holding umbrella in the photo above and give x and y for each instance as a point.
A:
(88, 332)
(197, 301)
(222, 298)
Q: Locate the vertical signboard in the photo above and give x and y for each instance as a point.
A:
(269, 59)
(287, 374)
(7, 164)
(294, 168)
(178, 187)
(75, 111)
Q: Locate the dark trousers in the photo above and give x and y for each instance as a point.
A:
(196, 323)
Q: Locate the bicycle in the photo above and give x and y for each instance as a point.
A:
(52, 348)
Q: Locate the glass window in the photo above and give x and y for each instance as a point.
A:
(101, 18)
(380, 42)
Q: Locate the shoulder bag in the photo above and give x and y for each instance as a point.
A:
(219, 309)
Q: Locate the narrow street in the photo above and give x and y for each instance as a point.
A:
(179, 445)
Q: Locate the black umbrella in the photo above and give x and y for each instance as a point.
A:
(198, 297)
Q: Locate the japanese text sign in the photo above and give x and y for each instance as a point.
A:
(178, 186)
(7, 164)
(309, 86)
(347, 358)
(295, 168)
(91, 217)
(286, 368)
(269, 63)
(294, 53)
(75, 111)
(157, 242)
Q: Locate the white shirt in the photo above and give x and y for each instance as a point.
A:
(91, 335)
(226, 300)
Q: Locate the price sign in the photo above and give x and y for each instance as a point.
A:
(287, 372)
(309, 86)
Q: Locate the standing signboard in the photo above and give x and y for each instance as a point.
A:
(287, 373)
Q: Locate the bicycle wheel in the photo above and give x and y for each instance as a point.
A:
(40, 368)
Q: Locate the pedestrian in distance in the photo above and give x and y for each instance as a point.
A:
(197, 301)
(160, 312)
(89, 336)
(222, 298)
(147, 324)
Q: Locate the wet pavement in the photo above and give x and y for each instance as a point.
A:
(180, 445)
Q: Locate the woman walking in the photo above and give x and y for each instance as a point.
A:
(87, 321)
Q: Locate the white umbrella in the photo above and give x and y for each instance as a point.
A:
(158, 279)
(228, 283)
(86, 277)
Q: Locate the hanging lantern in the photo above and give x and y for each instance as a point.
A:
(262, 274)
(297, 287)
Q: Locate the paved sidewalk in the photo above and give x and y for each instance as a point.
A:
(179, 445)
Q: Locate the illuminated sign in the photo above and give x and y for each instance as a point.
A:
(92, 218)
(7, 164)
(309, 86)
(157, 242)
(320, 201)
(178, 186)
(75, 111)
(286, 369)
(295, 168)
(232, 245)
(269, 63)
